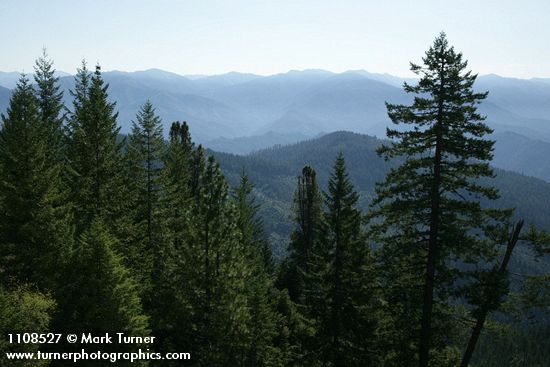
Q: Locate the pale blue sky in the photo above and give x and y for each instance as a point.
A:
(510, 38)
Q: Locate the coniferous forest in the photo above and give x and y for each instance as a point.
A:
(142, 234)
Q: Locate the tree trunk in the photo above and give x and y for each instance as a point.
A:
(485, 309)
(433, 244)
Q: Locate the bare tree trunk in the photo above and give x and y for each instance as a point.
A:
(485, 309)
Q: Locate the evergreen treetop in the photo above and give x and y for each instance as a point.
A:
(430, 204)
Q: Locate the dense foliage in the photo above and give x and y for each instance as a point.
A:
(146, 236)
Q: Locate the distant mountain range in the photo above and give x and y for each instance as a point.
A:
(240, 113)
(5, 94)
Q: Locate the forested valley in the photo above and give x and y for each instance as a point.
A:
(340, 251)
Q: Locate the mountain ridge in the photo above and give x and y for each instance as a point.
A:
(302, 102)
(274, 171)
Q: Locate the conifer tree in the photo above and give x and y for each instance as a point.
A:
(430, 205)
(308, 219)
(250, 224)
(50, 103)
(212, 276)
(176, 179)
(94, 152)
(260, 349)
(179, 155)
(340, 284)
(175, 220)
(99, 295)
(34, 224)
(145, 151)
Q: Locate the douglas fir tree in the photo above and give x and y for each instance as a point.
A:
(429, 206)
(94, 153)
(339, 287)
(35, 228)
(308, 208)
(145, 150)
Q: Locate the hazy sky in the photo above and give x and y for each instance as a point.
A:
(510, 38)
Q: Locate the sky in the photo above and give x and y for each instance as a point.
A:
(509, 38)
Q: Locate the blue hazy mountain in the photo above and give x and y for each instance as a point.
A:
(291, 106)
(9, 79)
(4, 98)
(515, 152)
(247, 144)
(526, 98)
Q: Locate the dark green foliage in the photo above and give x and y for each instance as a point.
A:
(145, 151)
(304, 239)
(99, 295)
(340, 283)
(430, 204)
(35, 226)
(211, 274)
(93, 151)
(161, 243)
(164, 301)
(259, 291)
(50, 104)
(273, 172)
(176, 180)
(251, 225)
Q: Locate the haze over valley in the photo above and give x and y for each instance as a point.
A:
(240, 113)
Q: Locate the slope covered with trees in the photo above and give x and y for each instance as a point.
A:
(357, 261)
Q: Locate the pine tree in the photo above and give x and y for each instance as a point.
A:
(430, 204)
(35, 225)
(340, 284)
(99, 295)
(308, 219)
(94, 152)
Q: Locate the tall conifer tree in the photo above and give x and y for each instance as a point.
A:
(94, 152)
(99, 294)
(250, 224)
(50, 102)
(145, 151)
(260, 348)
(213, 273)
(340, 285)
(35, 225)
(430, 204)
(308, 219)
(164, 302)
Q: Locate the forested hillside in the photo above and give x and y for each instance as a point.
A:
(274, 173)
(344, 250)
